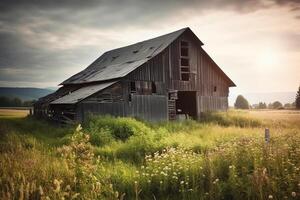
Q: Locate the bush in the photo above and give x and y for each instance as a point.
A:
(119, 128)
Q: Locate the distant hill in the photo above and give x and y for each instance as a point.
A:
(24, 94)
(267, 97)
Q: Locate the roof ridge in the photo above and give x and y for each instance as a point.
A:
(154, 38)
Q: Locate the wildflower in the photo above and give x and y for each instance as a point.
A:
(294, 194)
(181, 182)
(116, 194)
(160, 182)
(270, 196)
(68, 188)
(41, 191)
(79, 128)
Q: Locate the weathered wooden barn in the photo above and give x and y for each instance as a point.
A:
(158, 79)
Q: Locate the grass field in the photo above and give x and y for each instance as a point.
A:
(222, 157)
(13, 113)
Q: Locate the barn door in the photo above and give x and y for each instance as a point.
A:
(186, 104)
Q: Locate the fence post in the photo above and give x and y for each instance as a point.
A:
(267, 135)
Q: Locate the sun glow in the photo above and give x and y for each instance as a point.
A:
(268, 58)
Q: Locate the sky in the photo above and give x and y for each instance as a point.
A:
(255, 42)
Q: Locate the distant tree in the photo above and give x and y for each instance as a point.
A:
(28, 103)
(277, 105)
(16, 102)
(297, 102)
(4, 102)
(241, 103)
(287, 105)
(270, 106)
(262, 105)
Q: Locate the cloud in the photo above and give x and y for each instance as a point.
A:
(38, 37)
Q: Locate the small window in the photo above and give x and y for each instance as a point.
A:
(215, 88)
(185, 77)
(185, 69)
(184, 52)
(132, 87)
(184, 44)
(153, 87)
(184, 62)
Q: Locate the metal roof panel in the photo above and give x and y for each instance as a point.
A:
(82, 93)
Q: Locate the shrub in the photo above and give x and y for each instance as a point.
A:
(120, 128)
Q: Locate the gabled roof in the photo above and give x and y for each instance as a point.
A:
(119, 62)
(82, 93)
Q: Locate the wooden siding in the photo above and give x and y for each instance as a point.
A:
(149, 107)
(211, 103)
(146, 107)
(84, 109)
(204, 74)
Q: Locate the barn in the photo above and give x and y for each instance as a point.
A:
(164, 78)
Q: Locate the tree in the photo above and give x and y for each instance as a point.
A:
(297, 102)
(241, 103)
(16, 102)
(262, 105)
(287, 105)
(270, 106)
(277, 105)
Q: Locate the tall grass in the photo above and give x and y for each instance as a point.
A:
(222, 157)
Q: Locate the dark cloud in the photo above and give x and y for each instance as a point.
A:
(35, 35)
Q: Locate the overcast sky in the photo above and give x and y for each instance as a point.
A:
(255, 42)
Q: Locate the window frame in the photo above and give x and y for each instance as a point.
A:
(184, 70)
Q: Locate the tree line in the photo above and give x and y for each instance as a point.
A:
(14, 102)
(242, 103)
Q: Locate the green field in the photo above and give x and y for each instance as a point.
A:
(222, 157)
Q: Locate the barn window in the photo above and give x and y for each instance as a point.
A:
(153, 87)
(132, 87)
(184, 51)
(184, 61)
(215, 88)
(185, 77)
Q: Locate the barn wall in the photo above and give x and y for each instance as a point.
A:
(149, 107)
(205, 77)
(84, 109)
(118, 101)
(146, 107)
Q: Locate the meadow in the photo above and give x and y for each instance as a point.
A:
(223, 156)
